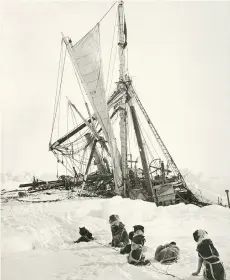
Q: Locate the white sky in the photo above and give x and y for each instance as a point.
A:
(179, 58)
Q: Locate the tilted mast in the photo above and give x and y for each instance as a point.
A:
(141, 150)
(87, 61)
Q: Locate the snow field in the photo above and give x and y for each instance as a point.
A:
(36, 241)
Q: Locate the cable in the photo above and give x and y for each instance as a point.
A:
(107, 12)
(58, 90)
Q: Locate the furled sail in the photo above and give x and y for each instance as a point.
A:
(87, 59)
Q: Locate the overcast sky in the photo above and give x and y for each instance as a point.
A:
(179, 58)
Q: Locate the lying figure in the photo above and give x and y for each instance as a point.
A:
(136, 255)
(120, 236)
(86, 235)
(167, 253)
(208, 257)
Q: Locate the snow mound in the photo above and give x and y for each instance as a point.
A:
(39, 237)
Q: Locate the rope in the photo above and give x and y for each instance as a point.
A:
(107, 12)
(58, 87)
(102, 244)
(155, 268)
(165, 272)
(106, 246)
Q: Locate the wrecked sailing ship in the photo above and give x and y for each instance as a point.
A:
(96, 150)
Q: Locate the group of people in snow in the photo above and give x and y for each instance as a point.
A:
(208, 256)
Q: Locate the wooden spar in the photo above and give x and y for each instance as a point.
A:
(76, 130)
(227, 193)
(120, 87)
(142, 152)
(90, 126)
(100, 165)
(91, 156)
(89, 163)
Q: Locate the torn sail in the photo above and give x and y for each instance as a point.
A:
(87, 60)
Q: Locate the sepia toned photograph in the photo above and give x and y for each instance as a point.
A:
(115, 132)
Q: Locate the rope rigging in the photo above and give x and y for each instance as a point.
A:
(58, 87)
(74, 145)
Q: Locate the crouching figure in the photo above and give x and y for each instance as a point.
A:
(120, 236)
(136, 255)
(167, 253)
(209, 257)
(86, 235)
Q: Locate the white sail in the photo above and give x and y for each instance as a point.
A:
(87, 59)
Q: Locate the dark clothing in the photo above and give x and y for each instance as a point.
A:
(213, 267)
(126, 249)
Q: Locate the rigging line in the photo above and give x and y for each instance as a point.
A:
(74, 119)
(150, 128)
(111, 52)
(84, 37)
(69, 167)
(67, 126)
(55, 102)
(71, 144)
(107, 12)
(144, 131)
(76, 140)
(64, 164)
(60, 87)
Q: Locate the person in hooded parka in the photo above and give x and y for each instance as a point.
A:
(208, 257)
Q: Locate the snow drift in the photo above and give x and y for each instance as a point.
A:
(37, 239)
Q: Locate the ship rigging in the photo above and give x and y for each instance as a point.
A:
(113, 142)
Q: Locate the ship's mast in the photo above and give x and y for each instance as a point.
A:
(148, 183)
(121, 88)
(121, 40)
